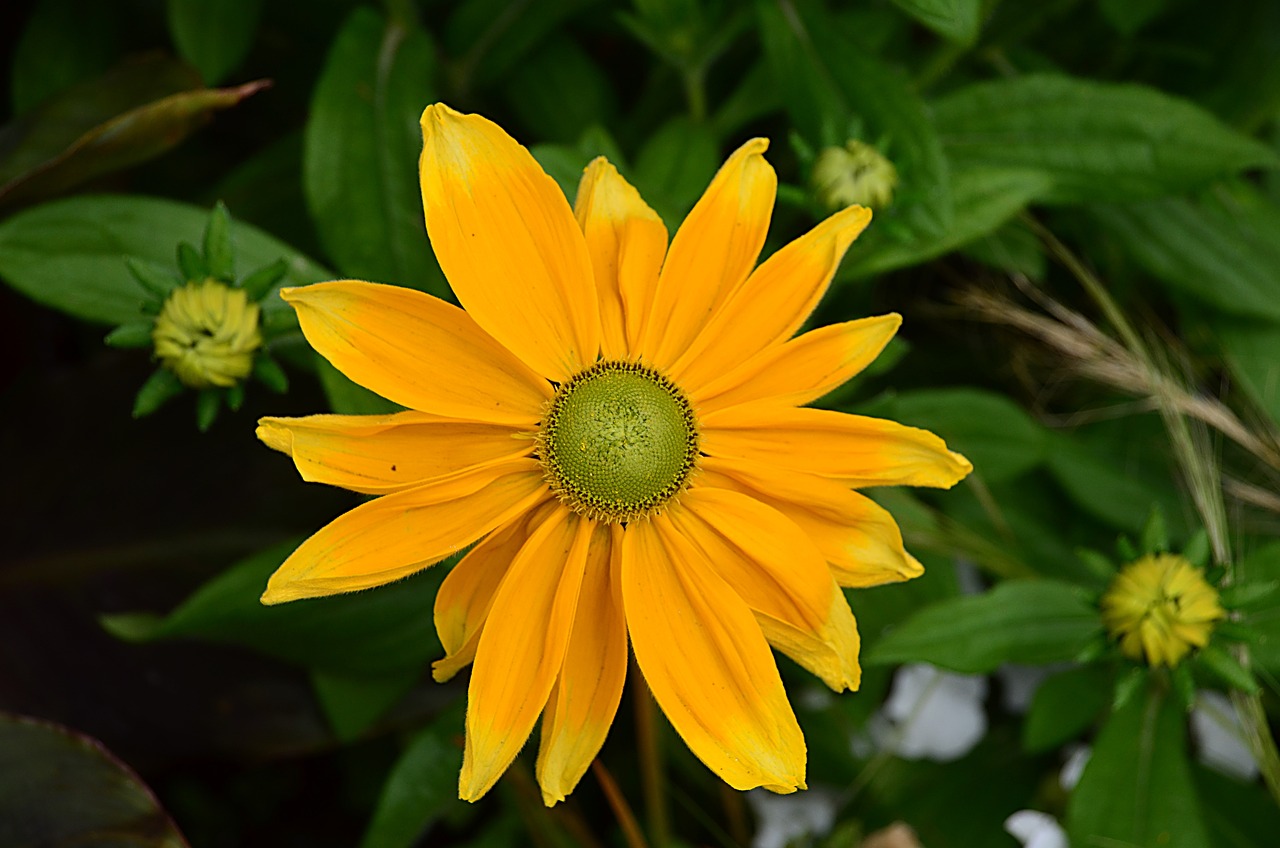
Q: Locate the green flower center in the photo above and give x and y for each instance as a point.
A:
(619, 442)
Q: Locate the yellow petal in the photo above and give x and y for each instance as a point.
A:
(858, 538)
(855, 449)
(418, 351)
(392, 537)
(522, 648)
(773, 302)
(712, 253)
(586, 694)
(507, 240)
(781, 575)
(377, 454)
(707, 663)
(466, 595)
(802, 369)
(627, 241)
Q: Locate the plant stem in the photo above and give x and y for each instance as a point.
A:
(650, 745)
(621, 809)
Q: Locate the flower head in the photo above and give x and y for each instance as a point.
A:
(1159, 608)
(618, 427)
(855, 173)
(207, 333)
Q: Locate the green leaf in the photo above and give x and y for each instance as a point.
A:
(269, 372)
(353, 703)
(1227, 669)
(135, 335)
(154, 278)
(1238, 815)
(996, 435)
(59, 788)
(360, 154)
(93, 282)
(493, 37)
(1064, 706)
(1019, 621)
(162, 385)
(191, 262)
(1098, 141)
(215, 37)
(219, 248)
(954, 19)
(421, 788)
(1252, 352)
(985, 200)
(64, 42)
(261, 281)
(348, 398)
(136, 112)
(1225, 259)
(1129, 16)
(208, 404)
(1136, 789)
(674, 167)
(827, 81)
(374, 633)
(560, 92)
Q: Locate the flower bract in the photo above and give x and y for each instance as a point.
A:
(617, 425)
(1159, 607)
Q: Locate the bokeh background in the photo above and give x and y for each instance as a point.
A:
(1081, 230)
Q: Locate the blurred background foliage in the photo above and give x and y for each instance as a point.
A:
(1083, 238)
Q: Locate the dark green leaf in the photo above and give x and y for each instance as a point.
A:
(1223, 258)
(372, 633)
(996, 435)
(235, 396)
(1129, 16)
(1065, 705)
(58, 788)
(1252, 351)
(421, 788)
(1227, 669)
(560, 92)
(135, 113)
(1098, 141)
(162, 385)
(1111, 482)
(157, 279)
(493, 37)
(1136, 789)
(1155, 533)
(954, 19)
(1238, 815)
(135, 335)
(348, 398)
(63, 43)
(191, 262)
(219, 247)
(1020, 621)
(269, 372)
(361, 151)
(674, 167)
(261, 281)
(215, 37)
(353, 703)
(93, 282)
(208, 403)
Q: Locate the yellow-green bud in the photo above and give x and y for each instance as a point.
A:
(1159, 608)
(854, 174)
(207, 333)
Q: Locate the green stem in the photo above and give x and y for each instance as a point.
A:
(621, 809)
(651, 773)
(695, 92)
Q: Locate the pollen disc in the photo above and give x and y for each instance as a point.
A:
(619, 441)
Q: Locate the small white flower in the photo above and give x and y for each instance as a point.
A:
(1077, 758)
(1216, 725)
(782, 819)
(931, 714)
(1018, 683)
(1035, 829)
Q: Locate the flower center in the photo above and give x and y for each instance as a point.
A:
(1159, 608)
(206, 333)
(619, 441)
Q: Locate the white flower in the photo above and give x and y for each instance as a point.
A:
(1077, 758)
(931, 714)
(782, 819)
(1035, 829)
(1217, 727)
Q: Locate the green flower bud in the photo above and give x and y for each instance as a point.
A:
(207, 333)
(854, 174)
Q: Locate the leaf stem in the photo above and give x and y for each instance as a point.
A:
(651, 772)
(621, 809)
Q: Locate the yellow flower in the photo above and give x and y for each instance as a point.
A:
(618, 425)
(206, 333)
(1160, 607)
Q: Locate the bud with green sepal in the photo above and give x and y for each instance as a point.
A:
(207, 332)
(856, 173)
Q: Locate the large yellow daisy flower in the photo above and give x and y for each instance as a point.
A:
(619, 429)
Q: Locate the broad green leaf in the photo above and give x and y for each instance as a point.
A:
(1136, 789)
(985, 199)
(954, 19)
(346, 397)
(560, 92)
(352, 703)
(674, 167)
(375, 633)
(64, 42)
(1224, 258)
(1066, 705)
(1261, 567)
(1098, 141)
(136, 112)
(1237, 815)
(361, 149)
(59, 788)
(215, 37)
(827, 81)
(92, 281)
(997, 436)
(421, 788)
(1129, 16)
(492, 37)
(1019, 621)
(1252, 352)
(564, 164)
